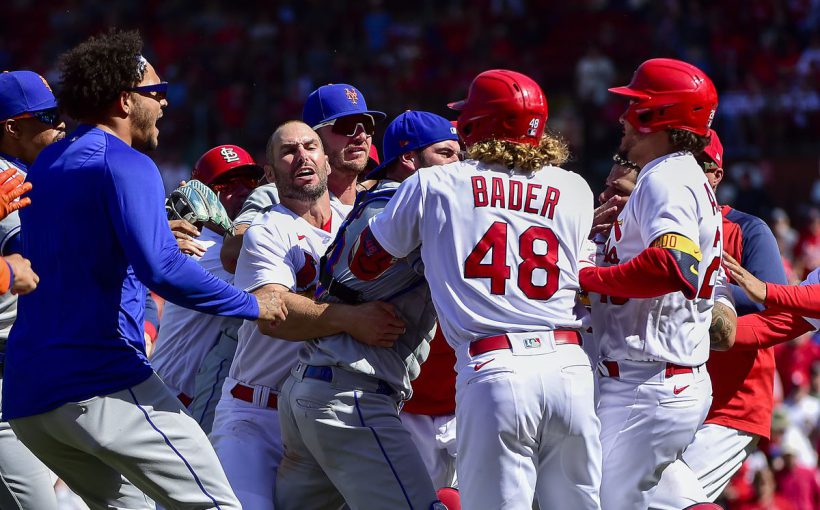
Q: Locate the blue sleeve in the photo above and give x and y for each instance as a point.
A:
(135, 204)
(761, 257)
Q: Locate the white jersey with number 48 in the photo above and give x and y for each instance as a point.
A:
(500, 249)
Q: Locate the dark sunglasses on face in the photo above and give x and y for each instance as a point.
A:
(158, 91)
(50, 117)
(245, 181)
(349, 125)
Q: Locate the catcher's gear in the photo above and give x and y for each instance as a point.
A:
(223, 159)
(197, 204)
(502, 105)
(667, 93)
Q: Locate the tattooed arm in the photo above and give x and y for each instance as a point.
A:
(723, 328)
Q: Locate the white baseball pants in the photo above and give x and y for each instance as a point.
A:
(647, 421)
(247, 440)
(707, 467)
(527, 427)
(435, 437)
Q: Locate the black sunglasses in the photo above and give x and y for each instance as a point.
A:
(50, 117)
(158, 91)
(349, 125)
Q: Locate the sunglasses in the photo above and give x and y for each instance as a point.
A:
(158, 91)
(709, 167)
(49, 117)
(245, 181)
(349, 125)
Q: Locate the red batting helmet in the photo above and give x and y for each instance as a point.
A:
(714, 151)
(223, 159)
(667, 93)
(502, 105)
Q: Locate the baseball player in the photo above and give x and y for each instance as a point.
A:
(652, 300)
(345, 126)
(339, 409)
(194, 350)
(742, 381)
(30, 122)
(92, 409)
(501, 236)
(280, 252)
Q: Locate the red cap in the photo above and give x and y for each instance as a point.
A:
(222, 159)
(714, 150)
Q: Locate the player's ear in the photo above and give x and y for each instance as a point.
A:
(327, 165)
(718, 176)
(11, 129)
(270, 175)
(124, 105)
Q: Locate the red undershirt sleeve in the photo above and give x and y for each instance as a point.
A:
(769, 328)
(802, 300)
(654, 272)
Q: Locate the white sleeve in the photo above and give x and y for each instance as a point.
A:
(723, 292)
(397, 227)
(265, 258)
(665, 207)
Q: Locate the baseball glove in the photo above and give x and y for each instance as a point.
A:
(197, 204)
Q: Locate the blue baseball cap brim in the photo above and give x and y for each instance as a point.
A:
(412, 130)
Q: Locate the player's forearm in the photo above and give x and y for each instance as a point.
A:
(652, 273)
(308, 319)
(769, 328)
(722, 330)
(803, 300)
(231, 246)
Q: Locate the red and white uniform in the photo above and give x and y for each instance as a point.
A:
(500, 252)
(656, 391)
(278, 248)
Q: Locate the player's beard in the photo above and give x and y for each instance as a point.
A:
(308, 193)
(145, 125)
(338, 164)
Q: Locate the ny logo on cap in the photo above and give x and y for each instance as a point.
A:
(45, 83)
(229, 154)
(352, 95)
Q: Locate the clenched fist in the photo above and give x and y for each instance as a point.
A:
(25, 279)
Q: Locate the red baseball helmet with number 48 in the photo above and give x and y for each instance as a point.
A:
(502, 105)
(666, 93)
(223, 159)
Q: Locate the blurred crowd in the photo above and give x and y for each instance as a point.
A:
(239, 68)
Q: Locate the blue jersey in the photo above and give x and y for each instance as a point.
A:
(95, 232)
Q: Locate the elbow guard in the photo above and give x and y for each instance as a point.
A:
(687, 256)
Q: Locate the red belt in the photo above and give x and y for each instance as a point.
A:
(245, 393)
(671, 369)
(185, 399)
(494, 343)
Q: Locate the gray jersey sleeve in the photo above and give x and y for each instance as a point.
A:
(261, 199)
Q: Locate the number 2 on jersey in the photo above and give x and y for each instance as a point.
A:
(497, 270)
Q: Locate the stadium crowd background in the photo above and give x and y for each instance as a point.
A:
(239, 68)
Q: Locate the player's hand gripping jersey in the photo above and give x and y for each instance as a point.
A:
(672, 207)
(402, 285)
(512, 256)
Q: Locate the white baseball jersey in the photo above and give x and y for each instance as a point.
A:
(279, 248)
(500, 249)
(185, 336)
(672, 195)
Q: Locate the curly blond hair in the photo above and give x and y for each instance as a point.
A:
(551, 150)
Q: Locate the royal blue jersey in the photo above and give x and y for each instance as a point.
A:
(95, 233)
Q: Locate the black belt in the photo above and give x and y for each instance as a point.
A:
(338, 289)
(325, 373)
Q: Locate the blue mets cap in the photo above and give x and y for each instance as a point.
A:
(24, 92)
(330, 102)
(410, 131)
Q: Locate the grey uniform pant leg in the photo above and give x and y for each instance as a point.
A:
(357, 440)
(25, 483)
(110, 449)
